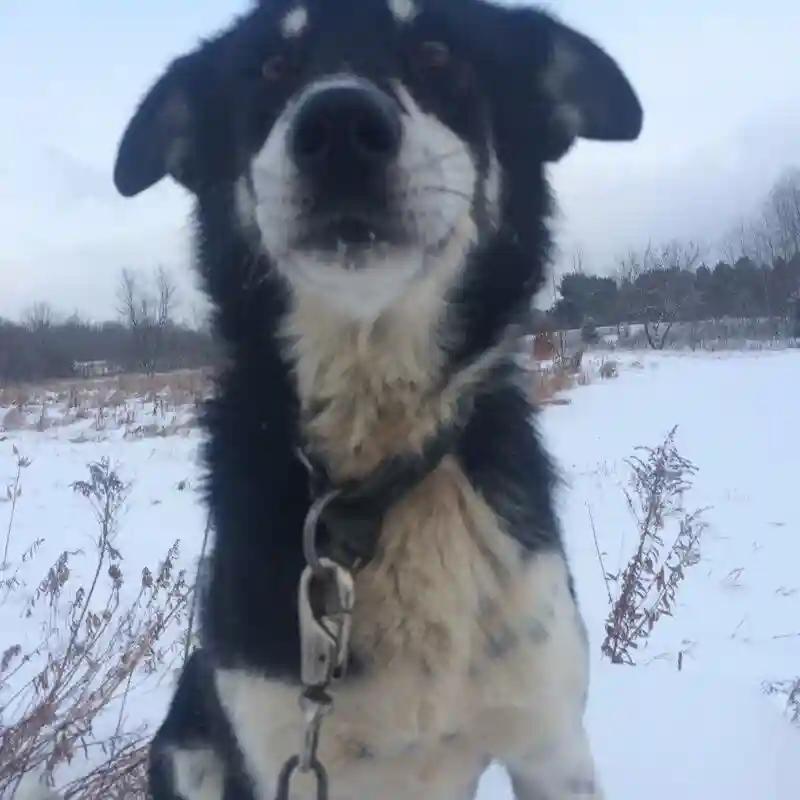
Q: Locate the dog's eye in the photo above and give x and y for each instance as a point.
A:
(432, 55)
(274, 68)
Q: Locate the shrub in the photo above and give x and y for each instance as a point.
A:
(65, 692)
(668, 541)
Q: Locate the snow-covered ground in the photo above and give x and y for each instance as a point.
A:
(707, 732)
(704, 732)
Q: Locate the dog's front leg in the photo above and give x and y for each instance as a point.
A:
(564, 770)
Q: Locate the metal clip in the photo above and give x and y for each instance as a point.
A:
(325, 615)
(325, 632)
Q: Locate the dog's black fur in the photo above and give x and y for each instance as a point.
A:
(257, 489)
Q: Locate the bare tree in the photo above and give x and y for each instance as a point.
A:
(782, 215)
(147, 313)
(750, 240)
(39, 317)
(657, 286)
(630, 267)
(774, 231)
(771, 242)
(578, 261)
(671, 289)
(737, 242)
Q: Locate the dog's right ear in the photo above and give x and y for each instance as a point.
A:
(159, 139)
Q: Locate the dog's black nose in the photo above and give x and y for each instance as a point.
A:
(345, 129)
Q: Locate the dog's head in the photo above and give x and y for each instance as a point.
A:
(364, 144)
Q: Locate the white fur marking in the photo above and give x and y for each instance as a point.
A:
(197, 774)
(493, 189)
(245, 203)
(294, 22)
(403, 10)
(564, 770)
(359, 292)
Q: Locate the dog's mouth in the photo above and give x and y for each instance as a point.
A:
(349, 231)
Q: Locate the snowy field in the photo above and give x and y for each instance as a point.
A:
(706, 731)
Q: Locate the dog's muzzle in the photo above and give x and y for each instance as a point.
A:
(344, 140)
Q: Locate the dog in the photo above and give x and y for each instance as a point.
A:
(372, 224)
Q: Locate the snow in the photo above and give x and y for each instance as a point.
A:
(704, 731)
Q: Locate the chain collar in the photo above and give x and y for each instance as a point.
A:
(350, 515)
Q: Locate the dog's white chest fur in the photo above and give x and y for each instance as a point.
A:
(472, 654)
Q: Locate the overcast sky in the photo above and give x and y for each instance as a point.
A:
(718, 80)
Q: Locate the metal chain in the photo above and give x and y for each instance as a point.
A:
(325, 613)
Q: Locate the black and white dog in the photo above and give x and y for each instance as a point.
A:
(372, 223)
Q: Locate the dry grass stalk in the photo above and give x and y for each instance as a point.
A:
(64, 696)
(180, 387)
(645, 590)
(548, 382)
(13, 493)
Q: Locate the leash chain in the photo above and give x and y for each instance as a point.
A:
(326, 594)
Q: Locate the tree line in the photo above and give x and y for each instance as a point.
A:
(757, 276)
(146, 337)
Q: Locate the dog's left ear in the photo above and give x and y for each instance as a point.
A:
(594, 99)
(158, 140)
